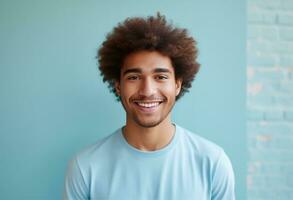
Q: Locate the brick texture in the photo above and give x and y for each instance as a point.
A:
(270, 99)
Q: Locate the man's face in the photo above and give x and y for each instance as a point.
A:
(147, 88)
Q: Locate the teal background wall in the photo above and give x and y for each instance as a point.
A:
(270, 99)
(53, 102)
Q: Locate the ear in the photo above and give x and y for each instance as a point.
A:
(117, 87)
(178, 84)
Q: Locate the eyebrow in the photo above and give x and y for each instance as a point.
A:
(132, 70)
(138, 70)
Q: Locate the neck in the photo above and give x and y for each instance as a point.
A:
(149, 139)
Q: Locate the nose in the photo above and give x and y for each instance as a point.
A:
(147, 87)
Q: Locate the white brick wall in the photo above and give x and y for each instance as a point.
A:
(270, 99)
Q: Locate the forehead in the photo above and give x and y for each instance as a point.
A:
(147, 61)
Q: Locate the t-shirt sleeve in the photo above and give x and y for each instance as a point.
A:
(75, 187)
(223, 182)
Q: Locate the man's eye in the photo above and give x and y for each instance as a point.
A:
(132, 78)
(162, 77)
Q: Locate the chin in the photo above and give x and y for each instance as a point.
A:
(149, 124)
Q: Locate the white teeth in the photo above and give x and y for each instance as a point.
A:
(148, 105)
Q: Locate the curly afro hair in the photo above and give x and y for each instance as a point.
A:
(152, 34)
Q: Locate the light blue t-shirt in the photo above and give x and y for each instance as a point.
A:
(188, 168)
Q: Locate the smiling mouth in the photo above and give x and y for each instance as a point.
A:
(148, 104)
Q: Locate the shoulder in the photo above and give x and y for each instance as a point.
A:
(210, 155)
(97, 150)
(78, 174)
(215, 161)
(199, 145)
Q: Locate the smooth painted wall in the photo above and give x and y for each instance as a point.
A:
(53, 102)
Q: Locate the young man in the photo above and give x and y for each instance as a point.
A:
(149, 64)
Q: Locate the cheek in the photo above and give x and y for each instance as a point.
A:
(169, 90)
(128, 90)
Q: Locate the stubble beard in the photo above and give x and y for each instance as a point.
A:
(142, 124)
